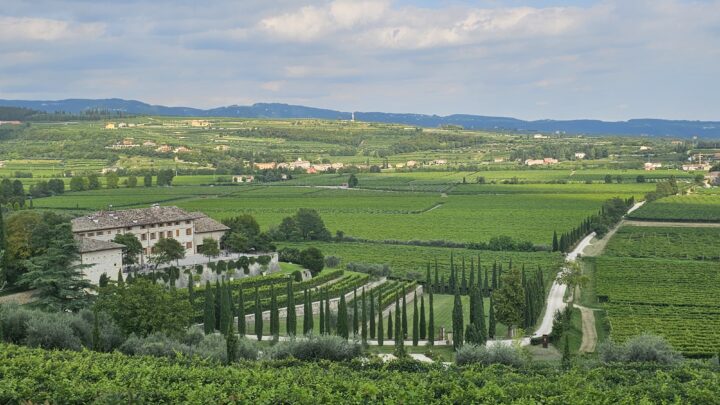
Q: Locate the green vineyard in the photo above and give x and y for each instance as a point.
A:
(693, 208)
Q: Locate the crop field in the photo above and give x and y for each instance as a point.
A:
(367, 214)
(666, 242)
(692, 208)
(673, 298)
(408, 261)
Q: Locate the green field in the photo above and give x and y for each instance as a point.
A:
(374, 215)
(692, 208)
(666, 242)
(673, 298)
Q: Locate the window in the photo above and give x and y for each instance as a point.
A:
(129, 228)
(177, 223)
(91, 234)
(152, 235)
(188, 231)
(81, 235)
(188, 245)
(108, 232)
(177, 232)
(143, 236)
(169, 234)
(187, 222)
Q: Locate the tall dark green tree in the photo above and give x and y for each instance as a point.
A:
(566, 357)
(191, 290)
(372, 315)
(96, 341)
(218, 306)
(311, 318)
(363, 320)
(415, 322)
(291, 315)
(509, 300)
(404, 316)
(431, 320)
(457, 322)
(390, 326)
(258, 316)
(209, 310)
(241, 312)
(274, 315)
(328, 315)
(356, 315)
(423, 323)
(231, 341)
(555, 242)
(307, 311)
(399, 336)
(342, 321)
(322, 315)
(224, 311)
(380, 331)
(491, 319)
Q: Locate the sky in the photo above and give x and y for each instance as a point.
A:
(543, 59)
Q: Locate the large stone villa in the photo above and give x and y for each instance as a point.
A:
(96, 231)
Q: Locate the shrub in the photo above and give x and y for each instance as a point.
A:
(51, 331)
(193, 335)
(14, 323)
(332, 261)
(212, 347)
(324, 347)
(643, 348)
(496, 354)
(156, 344)
(297, 276)
(289, 255)
(377, 270)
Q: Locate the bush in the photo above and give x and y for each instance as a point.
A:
(374, 269)
(212, 347)
(297, 276)
(51, 331)
(496, 354)
(289, 255)
(326, 347)
(332, 262)
(193, 335)
(644, 348)
(157, 345)
(14, 323)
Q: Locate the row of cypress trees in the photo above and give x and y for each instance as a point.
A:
(485, 280)
(611, 212)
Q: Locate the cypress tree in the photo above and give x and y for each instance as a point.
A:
(327, 312)
(290, 315)
(224, 314)
(428, 281)
(437, 281)
(372, 314)
(191, 290)
(231, 344)
(491, 320)
(120, 281)
(342, 321)
(380, 332)
(307, 312)
(499, 278)
(472, 307)
(274, 315)
(457, 320)
(218, 306)
(423, 324)
(494, 283)
(463, 282)
(415, 326)
(363, 326)
(356, 315)
(390, 326)
(241, 312)
(399, 337)
(555, 243)
(481, 320)
(431, 321)
(2, 232)
(486, 284)
(230, 304)
(404, 316)
(471, 283)
(209, 310)
(258, 316)
(322, 316)
(311, 318)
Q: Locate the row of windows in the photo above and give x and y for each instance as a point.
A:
(161, 234)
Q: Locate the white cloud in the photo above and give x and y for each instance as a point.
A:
(43, 29)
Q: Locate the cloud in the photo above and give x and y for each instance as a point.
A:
(43, 29)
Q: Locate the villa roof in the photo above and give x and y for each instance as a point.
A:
(206, 224)
(133, 217)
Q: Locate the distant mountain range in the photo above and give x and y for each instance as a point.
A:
(647, 127)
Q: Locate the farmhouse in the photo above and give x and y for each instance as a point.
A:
(243, 179)
(149, 225)
(652, 166)
(580, 155)
(265, 166)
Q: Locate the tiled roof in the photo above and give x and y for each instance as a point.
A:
(133, 217)
(86, 245)
(207, 224)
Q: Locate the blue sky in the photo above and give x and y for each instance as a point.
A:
(612, 60)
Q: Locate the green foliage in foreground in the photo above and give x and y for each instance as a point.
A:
(83, 377)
